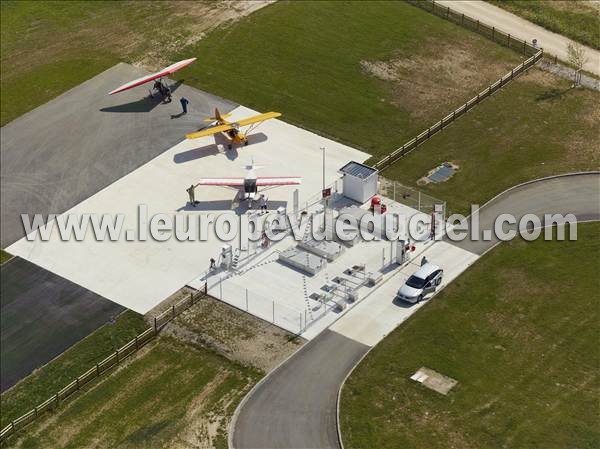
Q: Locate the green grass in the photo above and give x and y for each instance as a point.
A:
(304, 59)
(4, 256)
(537, 126)
(49, 47)
(578, 20)
(166, 396)
(55, 375)
(519, 331)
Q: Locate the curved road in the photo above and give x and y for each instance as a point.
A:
(294, 407)
(491, 15)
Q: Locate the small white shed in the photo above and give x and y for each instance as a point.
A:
(360, 181)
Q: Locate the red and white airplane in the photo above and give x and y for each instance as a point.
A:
(248, 186)
(154, 76)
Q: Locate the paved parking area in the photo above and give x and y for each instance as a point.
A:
(140, 274)
(42, 315)
(66, 150)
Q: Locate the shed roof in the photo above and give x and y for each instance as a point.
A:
(357, 170)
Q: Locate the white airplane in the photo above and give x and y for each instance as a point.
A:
(248, 187)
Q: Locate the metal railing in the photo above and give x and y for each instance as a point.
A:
(105, 365)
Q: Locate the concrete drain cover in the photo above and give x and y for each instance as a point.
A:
(434, 380)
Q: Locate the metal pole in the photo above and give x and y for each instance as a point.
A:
(323, 150)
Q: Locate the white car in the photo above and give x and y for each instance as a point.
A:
(424, 281)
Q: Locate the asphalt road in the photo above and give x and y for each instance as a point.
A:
(41, 315)
(578, 195)
(295, 405)
(66, 150)
(54, 157)
(491, 15)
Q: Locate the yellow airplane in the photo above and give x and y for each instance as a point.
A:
(232, 129)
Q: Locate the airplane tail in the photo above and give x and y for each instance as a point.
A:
(217, 117)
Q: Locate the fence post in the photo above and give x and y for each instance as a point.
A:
(494, 34)
(77, 382)
(35, 411)
(206, 288)
(508, 40)
(462, 20)
(173, 311)
(56, 400)
(478, 25)
(447, 11)
(97, 370)
(155, 326)
(117, 352)
(512, 73)
(137, 346)
(524, 44)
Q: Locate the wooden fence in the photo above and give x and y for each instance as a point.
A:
(490, 32)
(105, 365)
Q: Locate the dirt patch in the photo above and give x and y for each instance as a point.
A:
(205, 15)
(234, 334)
(440, 76)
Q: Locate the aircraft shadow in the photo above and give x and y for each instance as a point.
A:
(220, 146)
(145, 104)
(202, 206)
(227, 205)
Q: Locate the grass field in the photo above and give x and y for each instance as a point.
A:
(49, 47)
(579, 20)
(537, 126)
(46, 381)
(369, 73)
(171, 395)
(4, 256)
(519, 331)
(206, 359)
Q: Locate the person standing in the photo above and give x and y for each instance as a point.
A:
(192, 195)
(184, 104)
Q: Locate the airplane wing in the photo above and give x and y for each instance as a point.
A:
(279, 181)
(145, 79)
(258, 118)
(209, 131)
(223, 182)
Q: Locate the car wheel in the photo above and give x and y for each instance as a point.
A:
(420, 298)
(438, 281)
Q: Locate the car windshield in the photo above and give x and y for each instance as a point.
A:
(415, 282)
